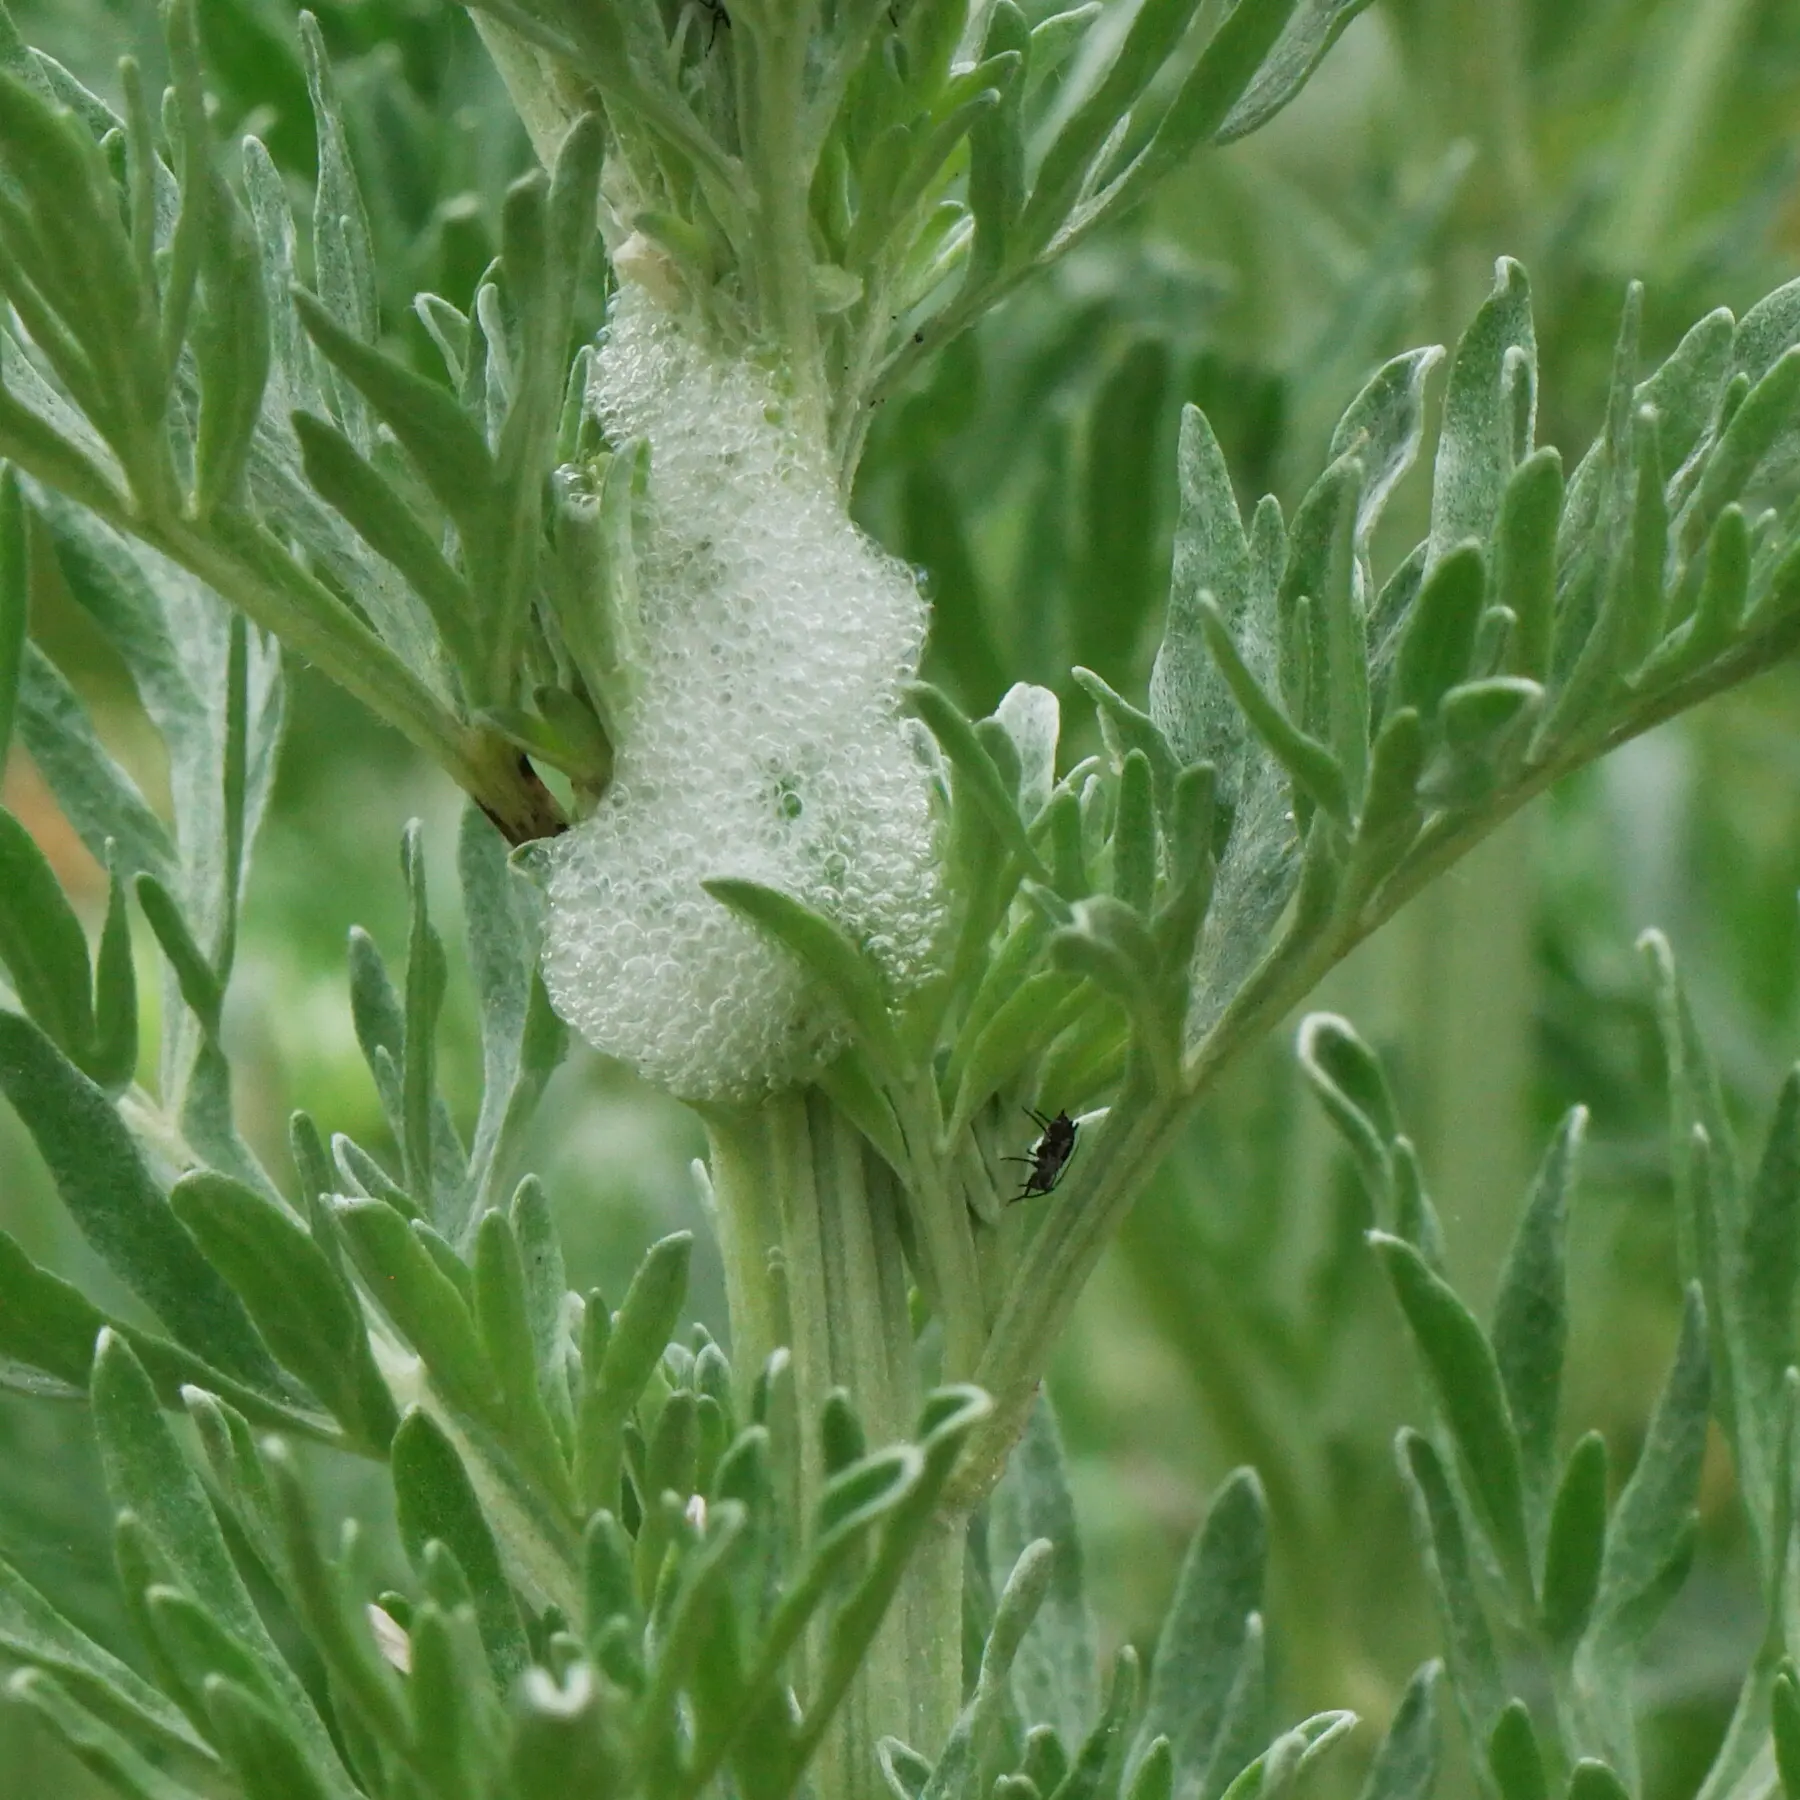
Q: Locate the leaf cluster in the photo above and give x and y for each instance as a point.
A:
(1535, 1562)
(460, 558)
(1318, 744)
(1035, 1722)
(606, 1530)
(615, 1578)
(172, 378)
(854, 186)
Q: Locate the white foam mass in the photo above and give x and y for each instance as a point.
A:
(765, 741)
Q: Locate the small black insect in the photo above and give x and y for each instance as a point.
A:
(1049, 1155)
(715, 10)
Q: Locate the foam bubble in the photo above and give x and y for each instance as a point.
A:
(765, 740)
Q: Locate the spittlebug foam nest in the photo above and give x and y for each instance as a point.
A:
(765, 741)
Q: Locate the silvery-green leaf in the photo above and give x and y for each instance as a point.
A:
(1388, 416)
(260, 1745)
(99, 799)
(1514, 1757)
(436, 1502)
(1279, 1768)
(1684, 390)
(1468, 1641)
(1032, 719)
(522, 1040)
(1651, 1533)
(15, 599)
(120, 1210)
(1244, 1724)
(1766, 1269)
(343, 254)
(293, 380)
(1189, 701)
(1312, 28)
(1531, 1311)
(1056, 1674)
(1490, 410)
(302, 1307)
(93, 1742)
(961, 1759)
(148, 1478)
(1465, 1381)
(1204, 1635)
(43, 949)
(33, 1633)
(1350, 1084)
(1766, 332)
(1406, 1764)
(1575, 1543)
(436, 1165)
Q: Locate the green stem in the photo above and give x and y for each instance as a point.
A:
(1144, 1120)
(781, 170)
(255, 575)
(809, 1226)
(1042, 1293)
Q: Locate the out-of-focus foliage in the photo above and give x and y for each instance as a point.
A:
(1029, 473)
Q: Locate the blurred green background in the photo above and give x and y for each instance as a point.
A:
(1031, 477)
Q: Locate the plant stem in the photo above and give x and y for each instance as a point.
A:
(1044, 1288)
(781, 173)
(809, 1226)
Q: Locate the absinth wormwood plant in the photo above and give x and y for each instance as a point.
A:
(856, 946)
(1543, 1586)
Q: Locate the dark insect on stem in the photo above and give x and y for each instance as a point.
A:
(715, 10)
(1049, 1155)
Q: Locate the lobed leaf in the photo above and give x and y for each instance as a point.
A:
(1490, 408)
(98, 798)
(964, 1749)
(1468, 1643)
(1575, 1544)
(522, 1039)
(1200, 1649)
(1650, 1537)
(1531, 1310)
(1309, 31)
(1406, 1764)
(619, 1357)
(423, 1299)
(1514, 1758)
(15, 600)
(109, 1192)
(150, 1481)
(825, 952)
(1347, 1078)
(92, 1741)
(42, 946)
(1055, 1674)
(301, 1305)
(35, 1634)
(1466, 1383)
(436, 1503)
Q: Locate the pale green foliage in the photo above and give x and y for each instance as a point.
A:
(1523, 1548)
(617, 1578)
(855, 185)
(635, 1570)
(175, 383)
(1320, 741)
